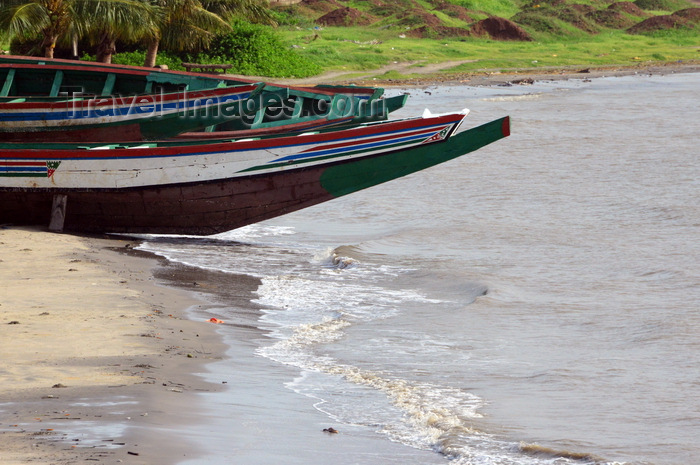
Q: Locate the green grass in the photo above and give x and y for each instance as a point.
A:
(557, 42)
(661, 5)
(503, 8)
(449, 20)
(334, 51)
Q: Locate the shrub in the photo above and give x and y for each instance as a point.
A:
(137, 58)
(257, 50)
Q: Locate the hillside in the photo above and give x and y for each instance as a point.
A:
(510, 20)
(390, 40)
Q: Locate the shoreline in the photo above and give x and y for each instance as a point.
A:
(102, 354)
(439, 74)
(192, 391)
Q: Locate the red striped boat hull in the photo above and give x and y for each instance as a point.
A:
(283, 175)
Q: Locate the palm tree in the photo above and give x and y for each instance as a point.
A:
(53, 19)
(184, 25)
(190, 25)
(106, 21)
(48, 19)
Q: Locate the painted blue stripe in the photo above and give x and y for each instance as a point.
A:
(350, 148)
(145, 108)
(22, 168)
(232, 149)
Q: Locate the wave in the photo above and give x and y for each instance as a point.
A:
(254, 232)
(547, 452)
(513, 98)
(338, 258)
(441, 418)
(430, 411)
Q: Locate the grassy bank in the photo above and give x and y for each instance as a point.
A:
(367, 35)
(364, 48)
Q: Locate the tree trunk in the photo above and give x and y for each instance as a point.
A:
(75, 47)
(151, 53)
(106, 48)
(49, 45)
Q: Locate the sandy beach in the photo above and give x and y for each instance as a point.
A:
(88, 336)
(108, 356)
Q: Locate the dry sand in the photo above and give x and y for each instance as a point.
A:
(87, 339)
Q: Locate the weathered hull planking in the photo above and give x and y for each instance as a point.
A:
(52, 100)
(208, 188)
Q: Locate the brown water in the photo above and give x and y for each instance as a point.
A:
(536, 302)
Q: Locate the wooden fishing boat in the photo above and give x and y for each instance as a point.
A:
(66, 87)
(206, 187)
(131, 118)
(289, 128)
(302, 111)
(375, 110)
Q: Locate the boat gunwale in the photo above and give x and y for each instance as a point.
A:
(110, 100)
(82, 65)
(249, 174)
(156, 149)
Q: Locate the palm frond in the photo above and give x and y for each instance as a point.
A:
(123, 18)
(188, 26)
(23, 19)
(255, 11)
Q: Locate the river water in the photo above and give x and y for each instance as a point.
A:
(535, 302)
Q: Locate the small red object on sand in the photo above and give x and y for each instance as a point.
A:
(215, 320)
